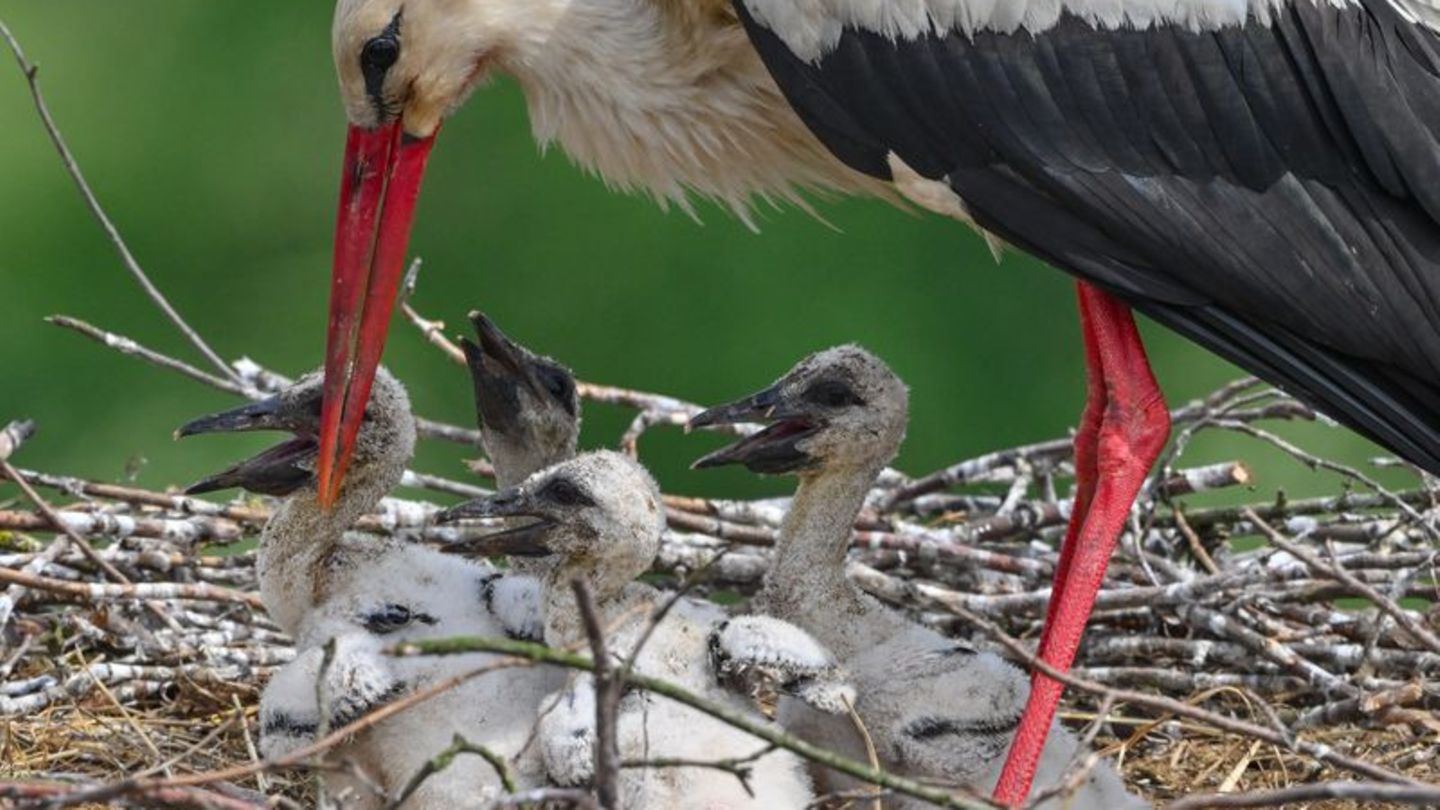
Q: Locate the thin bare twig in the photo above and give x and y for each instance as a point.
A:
(1322, 753)
(1384, 603)
(607, 701)
(32, 73)
(438, 763)
(1365, 793)
(765, 731)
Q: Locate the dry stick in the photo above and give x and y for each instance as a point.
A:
(426, 428)
(50, 515)
(1364, 792)
(607, 702)
(738, 767)
(260, 780)
(15, 435)
(128, 718)
(44, 794)
(31, 72)
(126, 345)
(1197, 548)
(725, 714)
(1314, 462)
(1055, 450)
(207, 520)
(189, 530)
(1318, 751)
(458, 745)
(127, 590)
(78, 541)
(183, 504)
(1384, 603)
(434, 331)
(871, 755)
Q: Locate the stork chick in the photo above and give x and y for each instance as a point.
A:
(936, 708)
(362, 593)
(600, 515)
(528, 411)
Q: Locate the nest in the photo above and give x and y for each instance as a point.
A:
(137, 645)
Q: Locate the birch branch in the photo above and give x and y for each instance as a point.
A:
(32, 73)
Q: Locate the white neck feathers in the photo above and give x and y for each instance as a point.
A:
(670, 98)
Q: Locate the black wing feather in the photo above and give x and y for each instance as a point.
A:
(1270, 190)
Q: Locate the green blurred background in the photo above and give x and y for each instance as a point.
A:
(212, 133)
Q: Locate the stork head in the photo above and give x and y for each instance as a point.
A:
(403, 66)
(526, 404)
(839, 408)
(598, 512)
(384, 446)
(669, 97)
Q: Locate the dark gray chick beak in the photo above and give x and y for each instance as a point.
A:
(526, 540)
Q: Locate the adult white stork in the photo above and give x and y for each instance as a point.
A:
(1262, 176)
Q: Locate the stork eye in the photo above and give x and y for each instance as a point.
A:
(833, 394)
(387, 619)
(392, 617)
(566, 493)
(378, 55)
(560, 386)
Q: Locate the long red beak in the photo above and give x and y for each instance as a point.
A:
(382, 173)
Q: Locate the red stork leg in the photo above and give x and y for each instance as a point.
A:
(1122, 431)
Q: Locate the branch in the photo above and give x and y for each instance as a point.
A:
(56, 795)
(1366, 793)
(607, 701)
(443, 760)
(15, 435)
(243, 385)
(128, 590)
(725, 714)
(738, 767)
(32, 73)
(1384, 603)
(1322, 753)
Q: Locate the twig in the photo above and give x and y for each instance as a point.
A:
(1384, 603)
(739, 767)
(54, 519)
(243, 385)
(15, 435)
(870, 753)
(725, 714)
(260, 780)
(128, 718)
(1322, 753)
(32, 73)
(233, 383)
(90, 591)
(459, 745)
(607, 701)
(1364, 792)
(44, 794)
(433, 331)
